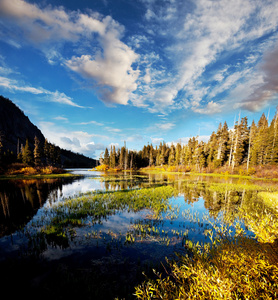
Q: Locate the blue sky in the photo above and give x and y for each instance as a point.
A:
(94, 73)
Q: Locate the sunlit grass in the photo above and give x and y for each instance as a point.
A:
(239, 261)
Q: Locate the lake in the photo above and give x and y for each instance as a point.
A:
(95, 235)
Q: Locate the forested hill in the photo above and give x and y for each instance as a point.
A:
(16, 129)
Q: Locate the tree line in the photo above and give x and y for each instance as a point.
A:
(241, 145)
(41, 154)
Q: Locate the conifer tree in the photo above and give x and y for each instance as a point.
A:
(241, 142)
(151, 156)
(223, 142)
(261, 142)
(1, 148)
(37, 152)
(178, 155)
(252, 134)
(112, 159)
(171, 159)
(273, 132)
(106, 157)
(122, 158)
(46, 151)
(213, 146)
(27, 155)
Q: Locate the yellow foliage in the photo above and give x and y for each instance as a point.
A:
(27, 171)
(102, 167)
(47, 170)
(239, 268)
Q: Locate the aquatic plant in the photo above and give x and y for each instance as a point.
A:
(231, 267)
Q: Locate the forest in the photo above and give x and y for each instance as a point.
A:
(243, 146)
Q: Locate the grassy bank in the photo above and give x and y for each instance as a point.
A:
(261, 173)
(20, 171)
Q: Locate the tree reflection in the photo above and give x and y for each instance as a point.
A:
(20, 200)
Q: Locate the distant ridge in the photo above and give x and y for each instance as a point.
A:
(16, 128)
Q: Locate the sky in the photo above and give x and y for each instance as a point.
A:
(95, 73)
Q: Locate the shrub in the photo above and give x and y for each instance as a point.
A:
(102, 167)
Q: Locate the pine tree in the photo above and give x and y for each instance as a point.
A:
(261, 141)
(106, 157)
(273, 132)
(171, 159)
(223, 142)
(27, 155)
(112, 159)
(199, 158)
(37, 152)
(178, 155)
(46, 152)
(151, 156)
(213, 145)
(1, 148)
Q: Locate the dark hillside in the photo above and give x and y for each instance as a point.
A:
(16, 128)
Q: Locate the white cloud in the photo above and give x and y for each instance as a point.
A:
(112, 129)
(58, 97)
(209, 109)
(161, 126)
(76, 141)
(157, 141)
(60, 118)
(211, 31)
(110, 69)
(90, 122)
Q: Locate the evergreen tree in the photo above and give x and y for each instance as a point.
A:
(46, 152)
(273, 133)
(151, 156)
(1, 148)
(213, 146)
(178, 155)
(106, 157)
(223, 142)
(113, 157)
(199, 158)
(19, 155)
(122, 158)
(37, 152)
(27, 155)
(261, 141)
(252, 151)
(171, 159)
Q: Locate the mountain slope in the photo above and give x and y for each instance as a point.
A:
(16, 128)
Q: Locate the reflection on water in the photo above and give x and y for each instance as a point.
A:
(21, 199)
(121, 241)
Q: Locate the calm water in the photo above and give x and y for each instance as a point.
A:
(114, 247)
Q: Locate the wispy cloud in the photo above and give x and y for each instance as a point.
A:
(90, 122)
(207, 34)
(58, 97)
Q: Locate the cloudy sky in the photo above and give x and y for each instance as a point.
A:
(94, 73)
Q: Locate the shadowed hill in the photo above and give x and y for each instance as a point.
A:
(16, 128)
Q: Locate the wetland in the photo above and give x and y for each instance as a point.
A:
(117, 236)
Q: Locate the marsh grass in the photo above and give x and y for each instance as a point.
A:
(230, 267)
(239, 261)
